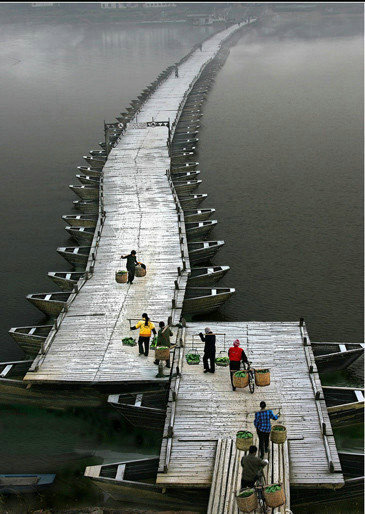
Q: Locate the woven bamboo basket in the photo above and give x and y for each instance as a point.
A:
(240, 381)
(244, 444)
(121, 277)
(140, 272)
(162, 354)
(278, 436)
(274, 499)
(262, 379)
(247, 504)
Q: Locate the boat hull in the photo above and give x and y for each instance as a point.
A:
(83, 237)
(205, 304)
(66, 281)
(185, 188)
(198, 215)
(203, 254)
(76, 259)
(209, 278)
(86, 192)
(90, 172)
(87, 207)
(30, 339)
(80, 221)
(192, 201)
(95, 163)
(203, 229)
(51, 308)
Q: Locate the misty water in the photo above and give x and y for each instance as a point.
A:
(281, 158)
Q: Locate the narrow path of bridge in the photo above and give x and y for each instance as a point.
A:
(141, 215)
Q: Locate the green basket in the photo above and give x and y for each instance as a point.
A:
(129, 341)
(192, 358)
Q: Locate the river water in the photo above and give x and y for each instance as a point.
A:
(281, 158)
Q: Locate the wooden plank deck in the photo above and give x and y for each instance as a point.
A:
(206, 408)
(226, 480)
(140, 214)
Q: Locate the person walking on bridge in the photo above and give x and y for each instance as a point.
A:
(251, 467)
(209, 350)
(131, 265)
(176, 71)
(145, 328)
(163, 339)
(263, 427)
(236, 356)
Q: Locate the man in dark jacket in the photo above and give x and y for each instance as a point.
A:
(209, 350)
(251, 467)
(131, 265)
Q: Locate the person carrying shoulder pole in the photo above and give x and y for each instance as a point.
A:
(163, 339)
(209, 350)
(145, 328)
(251, 467)
(263, 427)
(131, 265)
(236, 355)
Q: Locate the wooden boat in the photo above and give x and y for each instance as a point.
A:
(181, 157)
(17, 392)
(81, 220)
(86, 192)
(75, 255)
(192, 201)
(206, 276)
(186, 187)
(185, 142)
(188, 166)
(83, 235)
(88, 180)
(185, 175)
(203, 251)
(66, 280)
(352, 463)
(98, 153)
(183, 136)
(199, 229)
(345, 405)
(176, 149)
(336, 356)
(134, 481)
(141, 410)
(49, 303)
(86, 206)
(89, 172)
(27, 483)
(102, 144)
(353, 488)
(198, 215)
(30, 339)
(95, 162)
(201, 300)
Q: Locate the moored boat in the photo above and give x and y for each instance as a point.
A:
(192, 201)
(86, 192)
(89, 172)
(83, 235)
(188, 166)
(345, 405)
(181, 157)
(27, 483)
(205, 276)
(199, 300)
(86, 206)
(352, 463)
(81, 220)
(95, 162)
(198, 215)
(336, 356)
(186, 187)
(203, 250)
(142, 409)
(185, 175)
(49, 303)
(134, 481)
(30, 338)
(199, 229)
(98, 153)
(77, 256)
(66, 280)
(88, 180)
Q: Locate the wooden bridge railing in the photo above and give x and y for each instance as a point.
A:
(318, 394)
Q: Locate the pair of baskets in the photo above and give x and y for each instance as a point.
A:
(247, 498)
(121, 276)
(244, 439)
(222, 360)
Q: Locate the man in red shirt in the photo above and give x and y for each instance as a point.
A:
(236, 355)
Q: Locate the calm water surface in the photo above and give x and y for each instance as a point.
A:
(281, 158)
